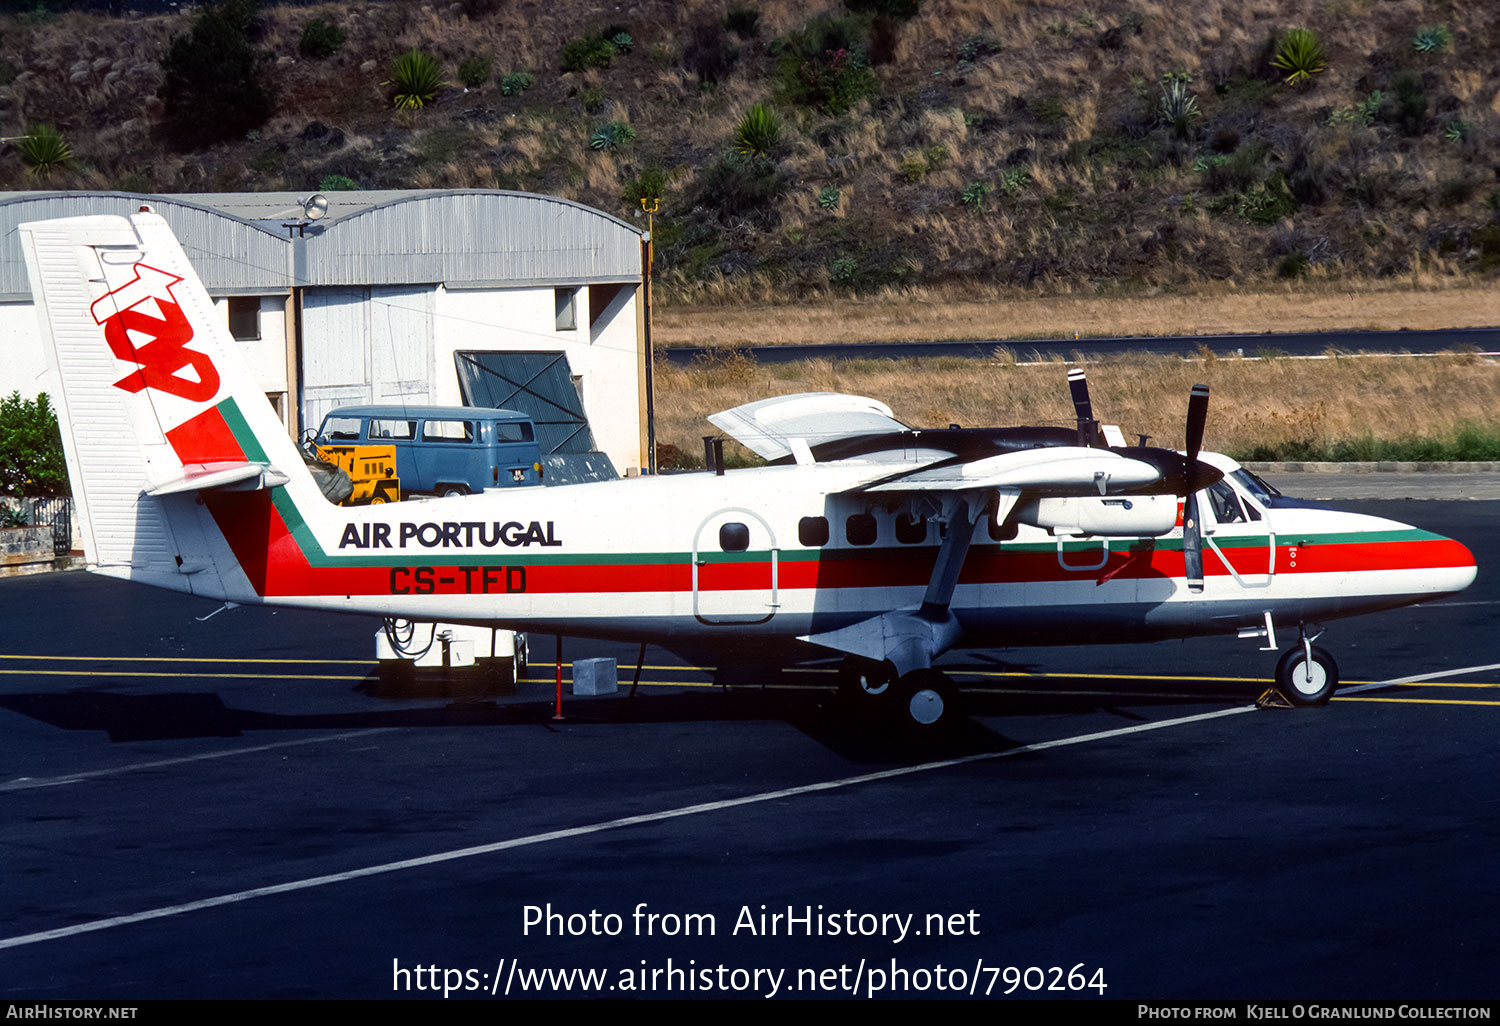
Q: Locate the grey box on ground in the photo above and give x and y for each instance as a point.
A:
(595, 677)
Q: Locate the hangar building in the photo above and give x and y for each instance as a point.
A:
(483, 297)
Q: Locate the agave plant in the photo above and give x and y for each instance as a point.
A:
(612, 136)
(974, 194)
(828, 197)
(1300, 54)
(1177, 107)
(1432, 39)
(417, 77)
(758, 132)
(44, 149)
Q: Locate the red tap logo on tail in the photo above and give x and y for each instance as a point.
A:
(145, 309)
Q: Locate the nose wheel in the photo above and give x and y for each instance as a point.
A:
(1307, 675)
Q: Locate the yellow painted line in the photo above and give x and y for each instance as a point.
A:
(1442, 684)
(193, 676)
(1415, 701)
(181, 659)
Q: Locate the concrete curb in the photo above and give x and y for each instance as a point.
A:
(1391, 467)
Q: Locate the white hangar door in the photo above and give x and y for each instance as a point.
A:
(365, 345)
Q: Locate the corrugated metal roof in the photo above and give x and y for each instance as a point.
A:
(239, 242)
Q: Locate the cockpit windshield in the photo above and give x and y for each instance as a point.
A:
(1261, 492)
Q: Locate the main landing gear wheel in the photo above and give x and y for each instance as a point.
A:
(865, 682)
(1304, 682)
(927, 701)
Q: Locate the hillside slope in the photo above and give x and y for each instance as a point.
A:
(1109, 147)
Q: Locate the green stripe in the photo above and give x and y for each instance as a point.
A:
(315, 555)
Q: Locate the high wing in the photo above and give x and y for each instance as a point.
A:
(770, 427)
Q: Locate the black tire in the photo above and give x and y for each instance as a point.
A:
(927, 702)
(1307, 686)
(448, 490)
(863, 682)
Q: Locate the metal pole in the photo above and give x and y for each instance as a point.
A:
(650, 347)
(558, 715)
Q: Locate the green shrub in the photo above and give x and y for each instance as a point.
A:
(976, 48)
(1300, 54)
(890, 8)
(338, 183)
(913, 169)
(211, 89)
(828, 197)
(593, 99)
(649, 186)
(416, 78)
(1432, 39)
(31, 453)
(739, 186)
(590, 51)
(44, 150)
(320, 39)
(1268, 202)
(611, 136)
(974, 195)
(1014, 181)
(474, 72)
(937, 157)
(841, 270)
(758, 132)
(516, 83)
(824, 65)
(1408, 105)
(742, 20)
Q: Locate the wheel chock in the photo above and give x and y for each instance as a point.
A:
(1272, 699)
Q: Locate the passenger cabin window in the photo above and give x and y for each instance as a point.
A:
(860, 529)
(393, 429)
(911, 530)
(734, 537)
(244, 317)
(813, 531)
(567, 309)
(447, 431)
(341, 429)
(513, 431)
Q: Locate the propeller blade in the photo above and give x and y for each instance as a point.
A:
(1192, 544)
(1196, 418)
(1078, 384)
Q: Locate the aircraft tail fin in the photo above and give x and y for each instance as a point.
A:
(158, 407)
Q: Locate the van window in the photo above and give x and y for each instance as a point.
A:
(447, 431)
(513, 431)
(341, 429)
(393, 429)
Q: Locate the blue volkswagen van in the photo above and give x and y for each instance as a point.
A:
(444, 450)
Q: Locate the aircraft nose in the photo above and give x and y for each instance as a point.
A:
(1449, 566)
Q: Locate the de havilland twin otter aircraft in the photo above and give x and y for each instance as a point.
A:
(861, 537)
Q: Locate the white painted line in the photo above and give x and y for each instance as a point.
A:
(594, 828)
(1418, 677)
(28, 783)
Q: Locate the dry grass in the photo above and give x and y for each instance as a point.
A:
(1254, 401)
(953, 313)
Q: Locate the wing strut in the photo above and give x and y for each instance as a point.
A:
(910, 639)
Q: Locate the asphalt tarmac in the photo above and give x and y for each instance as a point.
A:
(233, 807)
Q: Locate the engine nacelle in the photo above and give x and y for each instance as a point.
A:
(1115, 516)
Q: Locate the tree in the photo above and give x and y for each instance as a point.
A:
(213, 90)
(31, 453)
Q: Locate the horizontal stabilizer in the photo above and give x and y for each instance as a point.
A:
(231, 477)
